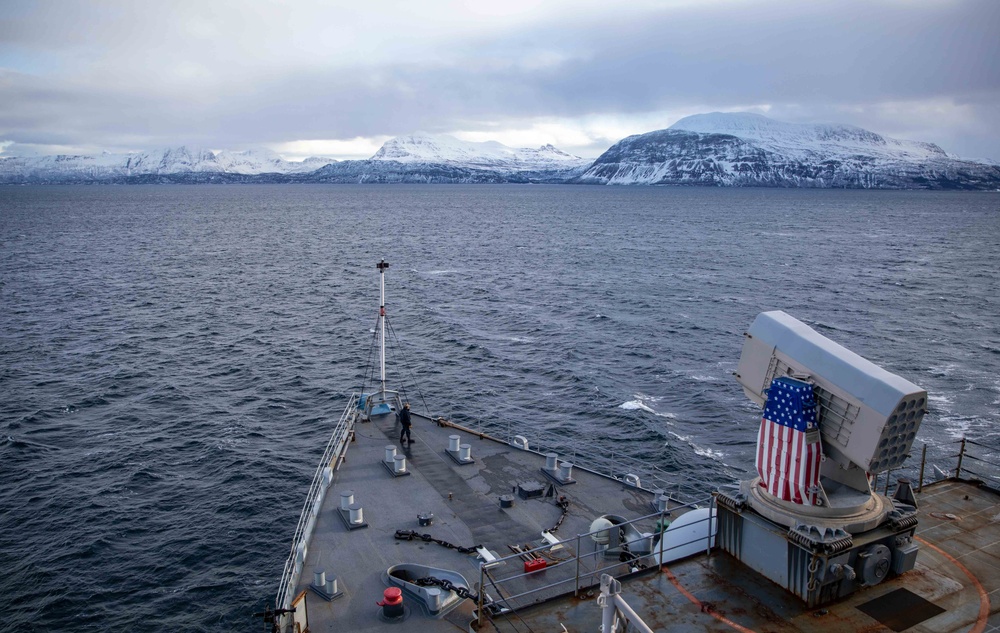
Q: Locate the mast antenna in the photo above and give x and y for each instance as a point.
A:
(382, 266)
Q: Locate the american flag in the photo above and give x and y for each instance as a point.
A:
(788, 444)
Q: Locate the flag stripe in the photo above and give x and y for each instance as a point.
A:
(788, 461)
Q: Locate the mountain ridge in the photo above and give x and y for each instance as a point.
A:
(448, 150)
(750, 150)
(157, 162)
(712, 149)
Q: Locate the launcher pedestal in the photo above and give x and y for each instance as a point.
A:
(817, 564)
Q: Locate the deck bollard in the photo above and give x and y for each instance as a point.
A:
(357, 514)
(392, 603)
(346, 499)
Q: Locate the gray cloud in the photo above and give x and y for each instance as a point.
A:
(233, 75)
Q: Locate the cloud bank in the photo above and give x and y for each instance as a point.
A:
(337, 80)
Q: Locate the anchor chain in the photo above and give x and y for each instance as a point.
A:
(409, 535)
(627, 555)
(447, 585)
(563, 503)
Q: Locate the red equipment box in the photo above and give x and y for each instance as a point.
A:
(536, 564)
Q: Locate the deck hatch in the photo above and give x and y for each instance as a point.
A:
(900, 609)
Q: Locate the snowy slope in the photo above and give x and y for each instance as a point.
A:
(264, 161)
(419, 158)
(803, 140)
(491, 155)
(751, 150)
(709, 149)
(170, 161)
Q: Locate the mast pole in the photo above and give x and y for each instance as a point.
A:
(382, 265)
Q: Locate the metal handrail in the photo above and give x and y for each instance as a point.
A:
(980, 459)
(974, 442)
(959, 467)
(335, 449)
(618, 466)
(494, 566)
(984, 477)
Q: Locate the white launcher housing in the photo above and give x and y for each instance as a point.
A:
(868, 417)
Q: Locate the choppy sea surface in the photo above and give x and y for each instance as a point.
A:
(172, 358)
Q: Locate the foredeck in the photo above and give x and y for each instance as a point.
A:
(957, 570)
(464, 499)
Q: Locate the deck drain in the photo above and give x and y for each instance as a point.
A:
(900, 609)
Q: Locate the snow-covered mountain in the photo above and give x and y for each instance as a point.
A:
(489, 155)
(419, 158)
(742, 149)
(143, 166)
(807, 141)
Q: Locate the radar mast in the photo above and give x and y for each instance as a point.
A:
(382, 266)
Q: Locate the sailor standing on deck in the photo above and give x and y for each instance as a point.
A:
(404, 419)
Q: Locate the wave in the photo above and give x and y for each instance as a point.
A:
(21, 443)
(946, 369)
(701, 451)
(963, 426)
(447, 271)
(700, 378)
(639, 404)
(940, 398)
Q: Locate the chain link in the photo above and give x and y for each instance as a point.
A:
(563, 503)
(447, 585)
(409, 535)
(627, 556)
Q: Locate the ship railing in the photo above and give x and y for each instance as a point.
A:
(639, 473)
(334, 452)
(678, 485)
(378, 397)
(973, 460)
(579, 573)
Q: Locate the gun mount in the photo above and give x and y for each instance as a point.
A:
(867, 416)
(832, 420)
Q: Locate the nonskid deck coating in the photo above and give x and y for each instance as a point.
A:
(958, 567)
(464, 500)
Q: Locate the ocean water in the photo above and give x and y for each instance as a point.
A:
(172, 358)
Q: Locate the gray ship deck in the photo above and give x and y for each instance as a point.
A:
(958, 572)
(957, 568)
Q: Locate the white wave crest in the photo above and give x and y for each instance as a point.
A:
(704, 378)
(708, 452)
(632, 405)
(699, 450)
(640, 404)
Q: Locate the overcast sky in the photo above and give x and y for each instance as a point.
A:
(338, 78)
